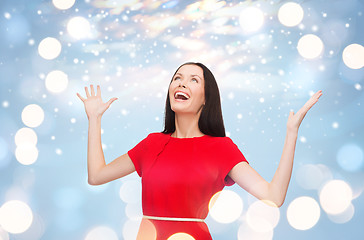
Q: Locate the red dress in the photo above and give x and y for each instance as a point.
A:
(179, 177)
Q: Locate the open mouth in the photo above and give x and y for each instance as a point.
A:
(181, 96)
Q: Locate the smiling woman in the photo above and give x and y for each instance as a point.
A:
(184, 166)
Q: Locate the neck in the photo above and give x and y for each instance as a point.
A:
(187, 126)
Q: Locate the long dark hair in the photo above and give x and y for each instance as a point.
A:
(210, 121)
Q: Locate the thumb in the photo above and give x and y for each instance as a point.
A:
(111, 101)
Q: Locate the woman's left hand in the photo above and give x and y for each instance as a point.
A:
(294, 120)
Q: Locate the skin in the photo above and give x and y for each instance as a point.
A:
(189, 79)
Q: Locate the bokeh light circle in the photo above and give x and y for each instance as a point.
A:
(343, 217)
(350, 157)
(225, 206)
(130, 191)
(310, 46)
(49, 48)
(310, 176)
(290, 14)
(181, 236)
(78, 27)
(56, 81)
(32, 115)
(63, 4)
(130, 230)
(335, 196)
(262, 217)
(101, 233)
(15, 216)
(26, 154)
(353, 56)
(251, 19)
(303, 213)
(25, 136)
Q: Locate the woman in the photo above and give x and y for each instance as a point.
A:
(191, 160)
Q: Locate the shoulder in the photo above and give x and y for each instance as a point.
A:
(156, 136)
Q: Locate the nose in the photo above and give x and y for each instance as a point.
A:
(182, 84)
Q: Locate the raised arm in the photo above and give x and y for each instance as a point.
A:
(98, 171)
(275, 191)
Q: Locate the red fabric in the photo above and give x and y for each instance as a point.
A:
(179, 177)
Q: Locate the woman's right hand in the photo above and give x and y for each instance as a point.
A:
(94, 106)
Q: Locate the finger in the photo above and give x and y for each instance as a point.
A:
(98, 91)
(111, 101)
(82, 99)
(92, 90)
(87, 93)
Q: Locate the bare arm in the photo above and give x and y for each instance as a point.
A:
(275, 191)
(98, 171)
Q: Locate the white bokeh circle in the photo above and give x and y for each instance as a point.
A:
(56, 81)
(49, 48)
(303, 213)
(15, 216)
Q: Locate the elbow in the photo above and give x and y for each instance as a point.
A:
(92, 181)
(279, 204)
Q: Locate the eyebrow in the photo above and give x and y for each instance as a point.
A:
(190, 75)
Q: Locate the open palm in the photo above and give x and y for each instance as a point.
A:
(94, 106)
(294, 120)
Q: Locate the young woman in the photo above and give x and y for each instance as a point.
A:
(191, 160)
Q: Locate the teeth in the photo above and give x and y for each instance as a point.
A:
(182, 94)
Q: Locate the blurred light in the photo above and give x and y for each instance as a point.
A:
(56, 81)
(262, 217)
(251, 19)
(130, 191)
(133, 211)
(78, 27)
(358, 86)
(15, 216)
(225, 206)
(7, 15)
(343, 217)
(101, 233)
(36, 229)
(290, 14)
(310, 46)
(310, 176)
(130, 230)
(26, 136)
(49, 48)
(5, 104)
(353, 56)
(247, 233)
(32, 115)
(303, 213)
(350, 157)
(181, 236)
(147, 231)
(26, 154)
(335, 197)
(63, 4)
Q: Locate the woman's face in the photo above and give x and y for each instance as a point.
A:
(187, 90)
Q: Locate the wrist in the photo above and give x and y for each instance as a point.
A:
(94, 118)
(292, 132)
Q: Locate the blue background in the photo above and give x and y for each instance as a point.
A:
(135, 63)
